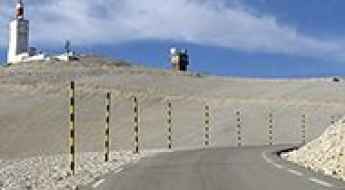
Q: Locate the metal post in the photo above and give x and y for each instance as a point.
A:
(207, 125)
(72, 127)
(136, 124)
(304, 126)
(239, 128)
(169, 113)
(270, 129)
(332, 120)
(107, 127)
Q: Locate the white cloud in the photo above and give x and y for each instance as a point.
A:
(205, 22)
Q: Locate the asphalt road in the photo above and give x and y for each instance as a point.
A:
(250, 168)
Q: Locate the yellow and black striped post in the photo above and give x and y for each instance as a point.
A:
(207, 125)
(239, 128)
(270, 129)
(303, 129)
(136, 125)
(107, 127)
(169, 119)
(72, 127)
(332, 120)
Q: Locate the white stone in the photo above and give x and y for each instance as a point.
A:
(324, 154)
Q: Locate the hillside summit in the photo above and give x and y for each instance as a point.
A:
(34, 106)
(34, 116)
(106, 74)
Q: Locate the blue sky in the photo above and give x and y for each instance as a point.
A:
(252, 38)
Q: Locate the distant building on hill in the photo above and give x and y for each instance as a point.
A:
(69, 55)
(179, 59)
(18, 44)
(18, 47)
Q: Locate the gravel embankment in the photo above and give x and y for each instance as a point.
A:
(324, 154)
(51, 172)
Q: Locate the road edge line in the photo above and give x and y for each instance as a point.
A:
(320, 182)
(97, 183)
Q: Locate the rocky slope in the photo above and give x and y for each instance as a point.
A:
(324, 154)
(34, 114)
(34, 107)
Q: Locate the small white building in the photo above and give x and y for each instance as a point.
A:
(68, 56)
(179, 59)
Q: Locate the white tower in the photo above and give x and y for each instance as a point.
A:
(18, 36)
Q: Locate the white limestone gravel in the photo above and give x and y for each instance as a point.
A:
(52, 172)
(324, 154)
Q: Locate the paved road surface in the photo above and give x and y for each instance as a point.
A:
(216, 169)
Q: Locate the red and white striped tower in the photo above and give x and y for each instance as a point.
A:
(20, 9)
(18, 35)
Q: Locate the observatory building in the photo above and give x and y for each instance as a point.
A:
(179, 59)
(19, 35)
(18, 47)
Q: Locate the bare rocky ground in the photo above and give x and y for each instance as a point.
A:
(324, 154)
(34, 108)
(51, 172)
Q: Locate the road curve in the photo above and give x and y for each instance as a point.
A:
(250, 168)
